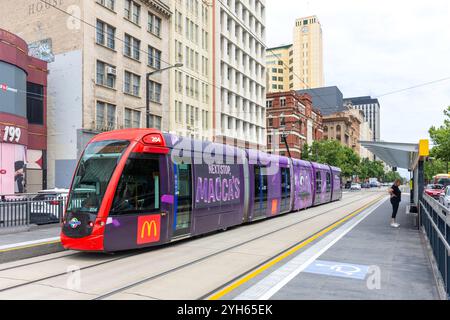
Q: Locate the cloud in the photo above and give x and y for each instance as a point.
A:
(375, 47)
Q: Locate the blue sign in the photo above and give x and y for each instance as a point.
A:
(337, 269)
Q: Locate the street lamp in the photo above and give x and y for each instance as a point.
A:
(147, 80)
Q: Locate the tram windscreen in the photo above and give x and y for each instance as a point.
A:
(95, 169)
(139, 187)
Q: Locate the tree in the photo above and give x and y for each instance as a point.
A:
(333, 153)
(349, 163)
(441, 139)
(434, 166)
(371, 169)
(392, 176)
(305, 152)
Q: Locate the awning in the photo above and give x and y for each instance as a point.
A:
(398, 155)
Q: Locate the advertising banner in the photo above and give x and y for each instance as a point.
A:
(217, 185)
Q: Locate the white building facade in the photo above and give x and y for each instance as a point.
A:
(239, 72)
(191, 85)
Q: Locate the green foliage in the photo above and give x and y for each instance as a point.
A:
(392, 176)
(371, 169)
(441, 139)
(434, 166)
(332, 152)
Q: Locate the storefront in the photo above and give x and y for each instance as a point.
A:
(23, 129)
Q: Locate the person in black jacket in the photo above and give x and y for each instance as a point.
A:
(396, 198)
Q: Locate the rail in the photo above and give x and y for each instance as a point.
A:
(435, 222)
(27, 210)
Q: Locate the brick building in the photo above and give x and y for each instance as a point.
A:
(292, 114)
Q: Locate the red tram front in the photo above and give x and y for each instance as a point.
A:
(117, 182)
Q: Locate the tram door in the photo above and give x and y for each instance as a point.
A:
(183, 200)
(260, 192)
(285, 190)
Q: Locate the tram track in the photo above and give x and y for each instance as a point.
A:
(80, 253)
(161, 274)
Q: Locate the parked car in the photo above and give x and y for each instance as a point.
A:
(355, 187)
(365, 186)
(348, 185)
(434, 190)
(444, 198)
(48, 206)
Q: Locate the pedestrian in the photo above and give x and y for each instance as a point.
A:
(396, 198)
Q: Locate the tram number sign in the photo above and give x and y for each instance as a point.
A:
(12, 134)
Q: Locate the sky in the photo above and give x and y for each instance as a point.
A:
(375, 47)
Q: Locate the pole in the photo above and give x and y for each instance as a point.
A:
(147, 100)
(284, 136)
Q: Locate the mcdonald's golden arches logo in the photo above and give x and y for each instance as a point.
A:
(149, 229)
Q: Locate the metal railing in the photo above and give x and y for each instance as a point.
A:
(31, 209)
(435, 222)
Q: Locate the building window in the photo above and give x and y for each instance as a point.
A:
(35, 103)
(132, 118)
(132, 84)
(106, 74)
(154, 24)
(107, 3)
(154, 58)
(283, 102)
(106, 35)
(154, 121)
(155, 91)
(132, 11)
(105, 116)
(132, 47)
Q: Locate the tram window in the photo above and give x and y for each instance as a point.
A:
(139, 187)
(286, 181)
(93, 175)
(318, 182)
(328, 182)
(261, 184)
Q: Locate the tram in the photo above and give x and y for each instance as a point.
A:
(138, 188)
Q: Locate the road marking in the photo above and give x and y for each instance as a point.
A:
(288, 253)
(274, 282)
(29, 244)
(338, 269)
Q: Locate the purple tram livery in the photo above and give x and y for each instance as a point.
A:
(137, 188)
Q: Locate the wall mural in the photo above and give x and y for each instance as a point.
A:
(42, 49)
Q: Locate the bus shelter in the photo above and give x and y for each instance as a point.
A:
(410, 156)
